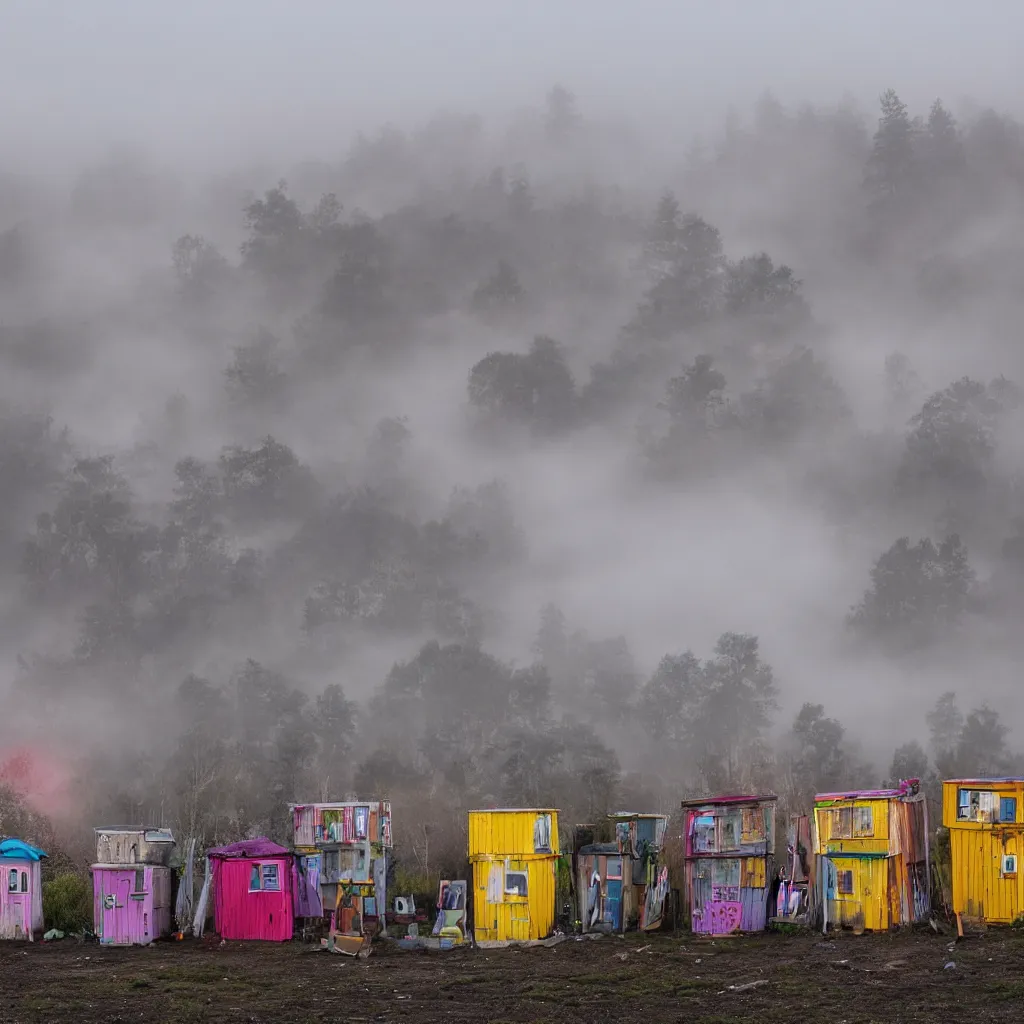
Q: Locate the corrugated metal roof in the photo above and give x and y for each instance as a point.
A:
(514, 810)
(986, 781)
(711, 800)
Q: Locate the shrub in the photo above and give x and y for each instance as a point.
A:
(67, 903)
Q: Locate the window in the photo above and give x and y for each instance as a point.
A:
(24, 881)
(332, 865)
(863, 822)
(845, 883)
(703, 832)
(265, 878)
(613, 868)
(515, 880)
(976, 805)
(731, 829)
(1008, 808)
(842, 823)
(12, 880)
(140, 880)
(1009, 865)
(542, 834)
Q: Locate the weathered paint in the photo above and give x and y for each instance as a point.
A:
(21, 891)
(241, 911)
(131, 906)
(983, 891)
(134, 846)
(627, 869)
(502, 844)
(873, 857)
(729, 857)
(346, 845)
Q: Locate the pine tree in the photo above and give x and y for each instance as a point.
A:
(892, 168)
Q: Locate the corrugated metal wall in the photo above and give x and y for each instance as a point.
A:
(981, 891)
(495, 836)
(241, 914)
(509, 833)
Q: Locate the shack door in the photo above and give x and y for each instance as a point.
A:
(16, 919)
(489, 881)
(114, 900)
(613, 893)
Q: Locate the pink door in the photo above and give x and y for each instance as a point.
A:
(115, 901)
(17, 906)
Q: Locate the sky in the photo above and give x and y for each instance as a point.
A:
(204, 83)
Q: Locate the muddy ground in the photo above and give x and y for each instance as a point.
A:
(851, 979)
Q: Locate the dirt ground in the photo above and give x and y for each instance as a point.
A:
(844, 980)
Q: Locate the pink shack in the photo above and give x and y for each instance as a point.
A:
(21, 890)
(131, 885)
(252, 890)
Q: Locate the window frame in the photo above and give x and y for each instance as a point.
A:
(24, 882)
(847, 876)
(259, 868)
(518, 870)
(966, 802)
(542, 823)
(12, 876)
(1003, 802)
(859, 830)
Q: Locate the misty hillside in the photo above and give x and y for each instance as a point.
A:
(533, 462)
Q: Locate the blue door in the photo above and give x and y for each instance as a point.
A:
(613, 893)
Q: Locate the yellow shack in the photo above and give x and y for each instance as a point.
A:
(514, 855)
(872, 848)
(985, 826)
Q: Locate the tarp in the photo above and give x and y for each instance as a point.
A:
(199, 922)
(186, 892)
(261, 847)
(15, 848)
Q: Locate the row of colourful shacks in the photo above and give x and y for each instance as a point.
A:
(861, 861)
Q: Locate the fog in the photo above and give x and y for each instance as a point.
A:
(391, 401)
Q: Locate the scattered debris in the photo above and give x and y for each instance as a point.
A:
(747, 986)
(950, 966)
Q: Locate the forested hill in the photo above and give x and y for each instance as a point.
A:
(531, 463)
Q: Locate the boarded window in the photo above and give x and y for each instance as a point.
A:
(1008, 808)
(542, 833)
(753, 876)
(12, 880)
(863, 822)
(495, 884)
(752, 829)
(271, 878)
(726, 872)
(845, 883)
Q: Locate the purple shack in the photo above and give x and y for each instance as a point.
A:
(131, 883)
(729, 855)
